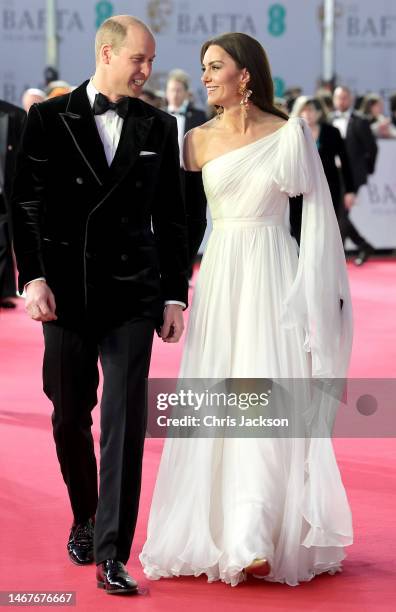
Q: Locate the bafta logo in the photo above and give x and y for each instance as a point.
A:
(158, 12)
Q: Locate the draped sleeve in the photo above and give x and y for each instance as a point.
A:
(321, 282)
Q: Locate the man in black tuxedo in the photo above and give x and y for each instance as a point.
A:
(179, 104)
(361, 149)
(12, 119)
(101, 246)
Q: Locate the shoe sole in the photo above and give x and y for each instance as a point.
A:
(101, 585)
(78, 562)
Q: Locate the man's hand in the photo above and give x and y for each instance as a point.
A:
(349, 200)
(40, 301)
(173, 326)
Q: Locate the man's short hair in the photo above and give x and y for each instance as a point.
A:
(114, 30)
(344, 88)
(180, 76)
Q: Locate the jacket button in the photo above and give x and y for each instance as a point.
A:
(88, 255)
(139, 184)
(10, 147)
(79, 180)
(124, 257)
(124, 219)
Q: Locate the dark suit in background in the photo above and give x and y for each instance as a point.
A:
(361, 149)
(12, 119)
(194, 194)
(330, 145)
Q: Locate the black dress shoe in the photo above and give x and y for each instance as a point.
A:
(112, 576)
(363, 255)
(80, 544)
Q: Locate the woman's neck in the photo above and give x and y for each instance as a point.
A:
(236, 121)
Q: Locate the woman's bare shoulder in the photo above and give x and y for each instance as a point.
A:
(195, 142)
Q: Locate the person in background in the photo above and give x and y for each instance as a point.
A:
(151, 97)
(362, 150)
(357, 103)
(179, 104)
(58, 88)
(290, 95)
(324, 96)
(178, 99)
(372, 108)
(50, 74)
(32, 96)
(330, 146)
(12, 119)
(58, 91)
(392, 108)
(281, 104)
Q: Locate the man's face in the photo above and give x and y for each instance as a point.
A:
(176, 93)
(342, 99)
(129, 69)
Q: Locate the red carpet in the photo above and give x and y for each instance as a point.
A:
(34, 513)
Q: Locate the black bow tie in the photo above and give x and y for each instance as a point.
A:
(102, 104)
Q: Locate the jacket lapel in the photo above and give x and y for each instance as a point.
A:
(79, 122)
(351, 124)
(134, 134)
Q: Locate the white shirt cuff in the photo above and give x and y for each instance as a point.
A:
(176, 302)
(32, 281)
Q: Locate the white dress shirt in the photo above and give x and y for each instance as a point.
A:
(109, 126)
(341, 121)
(180, 114)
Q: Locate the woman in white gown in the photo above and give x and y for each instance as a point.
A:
(259, 311)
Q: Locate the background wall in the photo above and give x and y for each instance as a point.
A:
(290, 31)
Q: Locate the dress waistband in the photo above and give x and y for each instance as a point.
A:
(239, 222)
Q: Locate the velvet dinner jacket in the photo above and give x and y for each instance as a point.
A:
(110, 241)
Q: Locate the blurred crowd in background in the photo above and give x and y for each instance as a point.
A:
(177, 92)
(345, 127)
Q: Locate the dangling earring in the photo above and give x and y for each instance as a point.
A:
(245, 93)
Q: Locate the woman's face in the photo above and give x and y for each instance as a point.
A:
(222, 77)
(310, 114)
(377, 108)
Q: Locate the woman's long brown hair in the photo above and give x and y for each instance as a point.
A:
(248, 53)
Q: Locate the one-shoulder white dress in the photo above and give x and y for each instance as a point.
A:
(260, 310)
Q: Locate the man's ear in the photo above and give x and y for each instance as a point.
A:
(105, 53)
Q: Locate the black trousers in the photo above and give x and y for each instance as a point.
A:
(70, 375)
(7, 273)
(348, 230)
